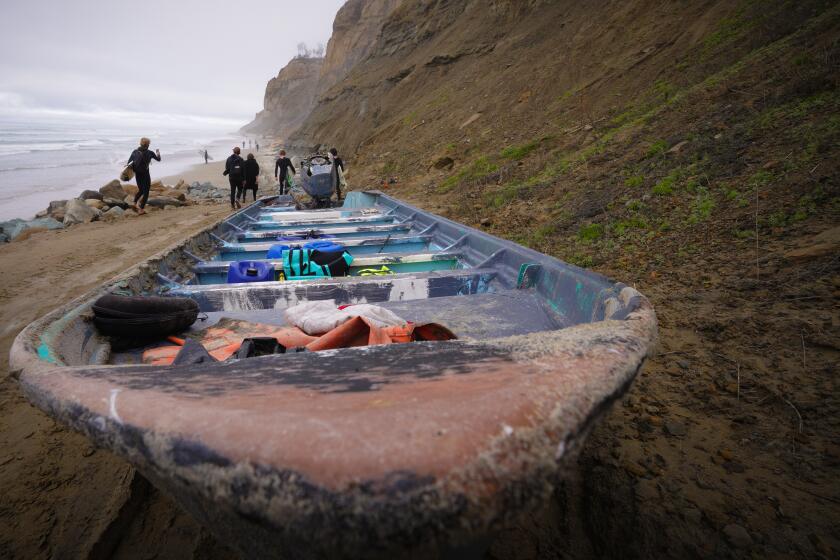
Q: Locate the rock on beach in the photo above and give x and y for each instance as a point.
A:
(77, 212)
(113, 190)
(88, 194)
(12, 229)
(114, 213)
(109, 203)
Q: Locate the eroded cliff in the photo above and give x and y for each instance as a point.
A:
(355, 30)
(289, 97)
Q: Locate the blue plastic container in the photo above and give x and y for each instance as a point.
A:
(325, 246)
(240, 272)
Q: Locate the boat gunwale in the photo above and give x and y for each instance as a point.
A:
(24, 352)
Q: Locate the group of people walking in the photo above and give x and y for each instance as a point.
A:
(243, 174)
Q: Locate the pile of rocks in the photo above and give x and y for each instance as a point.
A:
(206, 191)
(111, 202)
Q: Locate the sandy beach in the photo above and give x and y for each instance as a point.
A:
(212, 172)
(62, 496)
(201, 172)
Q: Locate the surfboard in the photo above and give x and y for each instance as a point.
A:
(201, 153)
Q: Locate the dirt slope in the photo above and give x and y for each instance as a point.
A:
(690, 149)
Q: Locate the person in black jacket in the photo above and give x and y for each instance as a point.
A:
(235, 170)
(252, 173)
(281, 170)
(339, 163)
(139, 160)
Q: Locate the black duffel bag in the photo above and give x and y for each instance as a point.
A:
(143, 316)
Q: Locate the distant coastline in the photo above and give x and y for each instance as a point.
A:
(41, 163)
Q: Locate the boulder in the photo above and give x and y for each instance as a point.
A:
(90, 195)
(161, 201)
(116, 202)
(42, 214)
(55, 209)
(114, 190)
(181, 185)
(130, 190)
(95, 203)
(12, 229)
(170, 207)
(179, 195)
(157, 186)
(113, 214)
(77, 212)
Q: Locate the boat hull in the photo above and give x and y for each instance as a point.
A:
(407, 449)
(352, 468)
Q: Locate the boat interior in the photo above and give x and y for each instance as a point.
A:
(420, 266)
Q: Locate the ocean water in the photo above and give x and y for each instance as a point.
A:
(40, 162)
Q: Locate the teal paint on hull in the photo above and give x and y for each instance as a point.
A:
(45, 354)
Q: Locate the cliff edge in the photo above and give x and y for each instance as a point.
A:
(289, 97)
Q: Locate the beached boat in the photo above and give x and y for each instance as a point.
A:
(425, 446)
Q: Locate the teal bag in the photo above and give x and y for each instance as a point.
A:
(312, 263)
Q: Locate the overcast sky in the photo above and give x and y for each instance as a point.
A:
(192, 59)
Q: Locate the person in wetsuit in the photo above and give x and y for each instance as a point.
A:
(339, 163)
(235, 170)
(281, 170)
(252, 173)
(139, 161)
